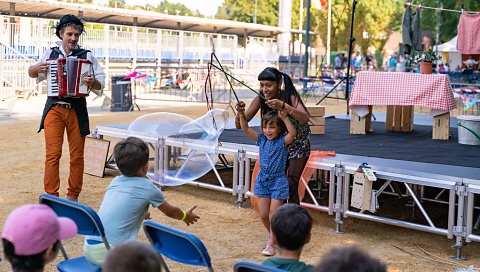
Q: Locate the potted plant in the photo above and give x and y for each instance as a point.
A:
(425, 60)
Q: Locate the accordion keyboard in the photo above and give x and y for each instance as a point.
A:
(52, 81)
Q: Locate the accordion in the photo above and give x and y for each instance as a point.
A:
(64, 77)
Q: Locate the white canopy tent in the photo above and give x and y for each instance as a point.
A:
(450, 53)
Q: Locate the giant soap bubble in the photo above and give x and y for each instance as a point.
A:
(192, 144)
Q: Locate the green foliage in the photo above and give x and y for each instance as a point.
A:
(371, 16)
(244, 11)
(224, 12)
(173, 8)
(295, 14)
(373, 19)
(429, 56)
(119, 3)
(449, 20)
(77, 1)
(197, 13)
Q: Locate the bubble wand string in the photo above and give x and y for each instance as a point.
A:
(259, 94)
(208, 83)
(229, 75)
(225, 73)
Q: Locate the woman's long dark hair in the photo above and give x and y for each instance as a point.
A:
(272, 74)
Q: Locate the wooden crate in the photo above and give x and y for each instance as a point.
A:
(316, 111)
(441, 127)
(399, 118)
(316, 121)
(317, 129)
(361, 125)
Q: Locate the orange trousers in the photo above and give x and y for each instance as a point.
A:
(58, 120)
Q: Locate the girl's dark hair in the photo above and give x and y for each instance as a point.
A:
(25, 263)
(272, 116)
(272, 74)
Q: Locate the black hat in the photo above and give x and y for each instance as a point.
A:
(69, 18)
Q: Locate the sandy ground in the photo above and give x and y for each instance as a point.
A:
(230, 234)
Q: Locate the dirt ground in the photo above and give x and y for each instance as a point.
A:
(230, 234)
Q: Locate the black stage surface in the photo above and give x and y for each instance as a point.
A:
(415, 146)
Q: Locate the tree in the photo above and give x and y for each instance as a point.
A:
(224, 12)
(372, 17)
(372, 21)
(116, 3)
(198, 14)
(449, 20)
(244, 11)
(77, 1)
(173, 8)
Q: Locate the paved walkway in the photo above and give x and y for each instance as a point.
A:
(14, 109)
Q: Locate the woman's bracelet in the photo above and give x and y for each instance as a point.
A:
(184, 215)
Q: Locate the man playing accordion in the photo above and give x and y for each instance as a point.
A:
(66, 112)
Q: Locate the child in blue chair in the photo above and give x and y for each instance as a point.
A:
(291, 226)
(31, 237)
(271, 185)
(126, 201)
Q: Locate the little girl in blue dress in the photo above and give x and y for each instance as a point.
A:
(271, 185)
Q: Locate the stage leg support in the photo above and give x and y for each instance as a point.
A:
(346, 194)
(460, 229)
(239, 187)
(338, 207)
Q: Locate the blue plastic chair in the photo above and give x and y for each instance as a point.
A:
(128, 54)
(196, 56)
(152, 55)
(188, 56)
(246, 266)
(207, 56)
(88, 223)
(167, 56)
(31, 52)
(177, 245)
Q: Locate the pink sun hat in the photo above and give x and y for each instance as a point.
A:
(32, 228)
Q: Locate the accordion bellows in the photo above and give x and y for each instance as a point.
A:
(65, 76)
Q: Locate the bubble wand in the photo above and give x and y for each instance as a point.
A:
(226, 75)
(229, 75)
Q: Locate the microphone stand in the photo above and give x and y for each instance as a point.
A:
(350, 46)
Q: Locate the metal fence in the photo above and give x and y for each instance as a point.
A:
(121, 48)
(14, 73)
(181, 84)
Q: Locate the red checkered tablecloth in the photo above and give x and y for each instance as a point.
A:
(404, 89)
